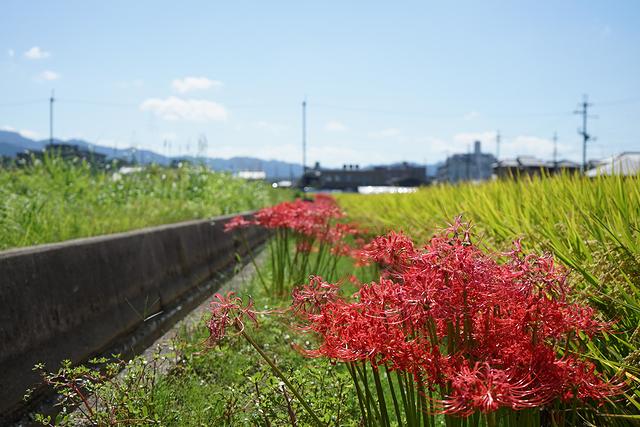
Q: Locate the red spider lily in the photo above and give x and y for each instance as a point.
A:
(312, 297)
(304, 217)
(226, 311)
(237, 222)
(308, 220)
(489, 333)
(486, 389)
(578, 379)
(393, 251)
(340, 231)
(311, 227)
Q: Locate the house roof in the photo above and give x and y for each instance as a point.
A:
(533, 162)
(623, 164)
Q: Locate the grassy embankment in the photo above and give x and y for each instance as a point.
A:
(56, 200)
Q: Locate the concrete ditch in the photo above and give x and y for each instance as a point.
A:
(76, 299)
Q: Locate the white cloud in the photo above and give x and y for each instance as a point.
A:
(188, 84)
(36, 53)
(335, 126)
(29, 133)
(11, 53)
(527, 145)
(274, 128)
(464, 142)
(432, 148)
(471, 137)
(196, 110)
(510, 147)
(24, 132)
(48, 75)
(385, 133)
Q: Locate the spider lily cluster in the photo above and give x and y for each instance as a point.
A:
(484, 332)
(302, 228)
(447, 330)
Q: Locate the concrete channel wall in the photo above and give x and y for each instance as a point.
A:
(75, 299)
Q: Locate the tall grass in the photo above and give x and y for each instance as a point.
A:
(591, 226)
(56, 200)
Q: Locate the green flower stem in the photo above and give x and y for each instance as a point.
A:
(396, 407)
(253, 261)
(352, 371)
(284, 379)
(381, 400)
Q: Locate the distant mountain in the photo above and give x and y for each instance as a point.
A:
(12, 143)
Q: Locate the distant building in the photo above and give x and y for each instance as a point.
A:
(251, 175)
(531, 166)
(285, 183)
(623, 164)
(476, 166)
(350, 177)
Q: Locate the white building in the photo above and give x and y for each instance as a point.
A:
(251, 175)
(476, 166)
(623, 164)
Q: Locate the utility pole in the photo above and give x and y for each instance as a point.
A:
(583, 111)
(51, 101)
(498, 138)
(555, 149)
(304, 136)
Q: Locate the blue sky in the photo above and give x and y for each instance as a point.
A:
(385, 81)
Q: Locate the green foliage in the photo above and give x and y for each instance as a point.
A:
(96, 394)
(55, 200)
(232, 385)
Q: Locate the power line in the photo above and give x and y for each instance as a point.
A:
(99, 103)
(619, 102)
(20, 103)
(313, 105)
(436, 115)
